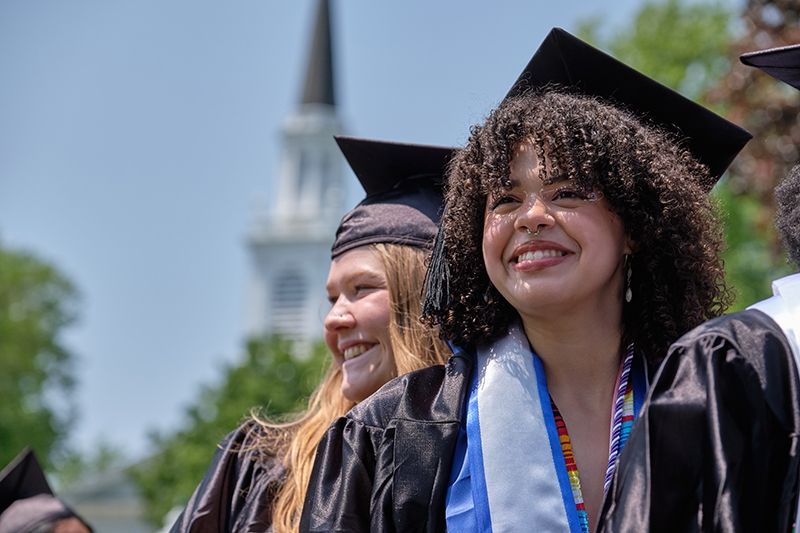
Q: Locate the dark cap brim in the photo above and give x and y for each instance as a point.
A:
(782, 63)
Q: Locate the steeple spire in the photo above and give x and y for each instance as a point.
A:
(319, 76)
(291, 249)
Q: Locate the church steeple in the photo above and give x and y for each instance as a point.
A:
(319, 87)
(291, 250)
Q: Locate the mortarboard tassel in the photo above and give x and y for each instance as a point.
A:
(437, 278)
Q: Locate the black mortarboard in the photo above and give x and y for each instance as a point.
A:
(22, 478)
(782, 63)
(26, 500)
(565, 60)
(404, 200)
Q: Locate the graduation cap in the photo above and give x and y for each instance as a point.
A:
(26, 500)
(782, 63)
(563, 59)
(404, 199)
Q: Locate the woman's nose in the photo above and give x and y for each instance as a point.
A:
(535, 213)
(339, 317)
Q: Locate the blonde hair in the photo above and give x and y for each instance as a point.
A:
(414, 345)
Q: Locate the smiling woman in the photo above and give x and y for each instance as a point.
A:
(258, 477)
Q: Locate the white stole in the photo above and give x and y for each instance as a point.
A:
(519, 476)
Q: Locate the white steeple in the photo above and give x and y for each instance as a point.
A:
(291, 250)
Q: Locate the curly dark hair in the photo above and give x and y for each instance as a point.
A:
(653, 184)
(787, 218)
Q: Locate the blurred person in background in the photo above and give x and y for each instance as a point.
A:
(27, 504)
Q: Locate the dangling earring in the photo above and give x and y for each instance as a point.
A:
(628, 291)
(487, 296)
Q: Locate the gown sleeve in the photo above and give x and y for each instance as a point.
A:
(715, 445)
(237, 491)
(340, 492)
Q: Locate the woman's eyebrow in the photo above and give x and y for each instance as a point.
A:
(365, 273)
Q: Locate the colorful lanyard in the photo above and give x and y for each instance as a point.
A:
(620, 429)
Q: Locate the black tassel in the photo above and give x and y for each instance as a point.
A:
(437, 278)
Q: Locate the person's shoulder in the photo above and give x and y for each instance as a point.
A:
(238, 484)
(249, 433)
(428, 394)
(416, 388)
(788, 286)
(255, 445)
(735, 327)
(749, 336)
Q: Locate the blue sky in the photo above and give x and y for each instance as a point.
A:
(136, 137)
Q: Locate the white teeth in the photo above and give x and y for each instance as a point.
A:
(355, 351)
(539, 254)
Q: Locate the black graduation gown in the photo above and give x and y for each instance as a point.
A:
(237, 492)
(715, 445)
(385, 466)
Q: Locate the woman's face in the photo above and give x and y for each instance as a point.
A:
(357, 326)
(575, 260)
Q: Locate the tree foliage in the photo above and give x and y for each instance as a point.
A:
(269, 379)
(769, 110)
(36, 303)
(681, 44)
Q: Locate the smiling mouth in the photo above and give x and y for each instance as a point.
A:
(355, 351)
(539, 254)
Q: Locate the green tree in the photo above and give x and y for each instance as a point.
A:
(681, 44)
(751, 261)
(269, 380)
(36, 303)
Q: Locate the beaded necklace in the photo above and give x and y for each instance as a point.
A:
(622, 422)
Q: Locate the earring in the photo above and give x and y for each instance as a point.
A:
(487, 296)
(628, 291)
